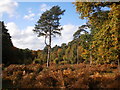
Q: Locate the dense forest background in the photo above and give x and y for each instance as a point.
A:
(99, 45)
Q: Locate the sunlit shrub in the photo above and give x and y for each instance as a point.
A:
(62, 76)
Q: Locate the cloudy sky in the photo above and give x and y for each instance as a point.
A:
(20, 18)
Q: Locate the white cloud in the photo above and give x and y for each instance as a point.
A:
(28, 39)
(44, 7)
(30, 16)
(30, 10)
(25, 38)
(8, 6)
(68, 31)
(67, 35)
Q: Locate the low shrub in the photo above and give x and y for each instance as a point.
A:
(62, 76)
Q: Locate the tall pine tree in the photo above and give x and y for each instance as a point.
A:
(48, 25)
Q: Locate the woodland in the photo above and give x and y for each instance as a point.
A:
(91, 60)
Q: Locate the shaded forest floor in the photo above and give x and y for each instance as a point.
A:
(61, 76)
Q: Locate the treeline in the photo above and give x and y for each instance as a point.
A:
(11, 54)
(64, 54)
(100, 44)
(71, 53)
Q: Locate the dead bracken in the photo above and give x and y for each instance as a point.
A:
(61, 76)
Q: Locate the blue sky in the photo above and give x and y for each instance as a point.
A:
(70, 16)
(20, 18)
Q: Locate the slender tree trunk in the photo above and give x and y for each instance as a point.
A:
(49, 50)
(90, 58)
(90, 55)
(77, 54)
(50, 47)
(48, 57)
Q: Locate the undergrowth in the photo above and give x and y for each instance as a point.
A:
(61, 76)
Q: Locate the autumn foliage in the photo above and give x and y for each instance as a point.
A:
(61, 76)
(88, 61)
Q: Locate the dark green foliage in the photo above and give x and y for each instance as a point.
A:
(11, 54)
(48, 25)
(49, 22)
(6, 45)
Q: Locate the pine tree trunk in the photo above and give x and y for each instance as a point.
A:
(77, 54)
(49, 50)
(48, 57)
